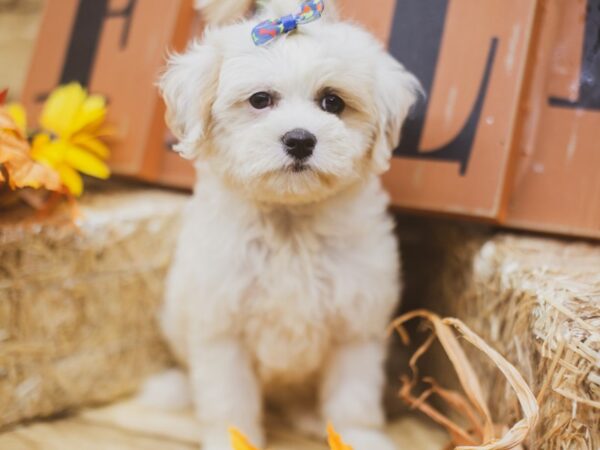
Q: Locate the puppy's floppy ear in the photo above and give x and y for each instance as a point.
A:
(396, 91)
(188, 87)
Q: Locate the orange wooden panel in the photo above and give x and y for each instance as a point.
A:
(457, 159)
(557, 183)
(378, 20)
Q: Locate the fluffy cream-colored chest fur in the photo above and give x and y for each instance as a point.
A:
(285, 283)
(287, 318)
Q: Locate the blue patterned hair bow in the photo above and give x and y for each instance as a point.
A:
(269, 29)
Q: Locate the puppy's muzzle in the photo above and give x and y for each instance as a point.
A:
(299, 144)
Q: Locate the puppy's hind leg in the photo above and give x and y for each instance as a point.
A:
(351, 394)
(226, 392)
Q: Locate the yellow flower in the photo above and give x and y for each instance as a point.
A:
(239, 441)
(334, 440)
(69, 142)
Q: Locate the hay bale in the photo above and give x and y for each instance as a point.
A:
(78, 301)
(537, 301)
(540, 300)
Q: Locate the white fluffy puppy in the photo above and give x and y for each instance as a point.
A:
(286, 271)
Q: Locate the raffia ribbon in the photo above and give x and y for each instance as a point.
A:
(482, 432)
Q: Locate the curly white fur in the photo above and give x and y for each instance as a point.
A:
(283, 281)
(219, 12)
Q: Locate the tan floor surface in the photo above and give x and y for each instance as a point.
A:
(127, 426)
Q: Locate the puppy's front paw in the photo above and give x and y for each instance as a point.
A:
(366, 439)
(216, 441)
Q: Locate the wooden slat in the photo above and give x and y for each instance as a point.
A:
(127, 426)
(72, 434)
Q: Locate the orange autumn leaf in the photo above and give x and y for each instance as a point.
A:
(3, 95)
(16, 159)
(335, 440)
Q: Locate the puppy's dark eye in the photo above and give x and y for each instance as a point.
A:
(332, 104)
(261, 100)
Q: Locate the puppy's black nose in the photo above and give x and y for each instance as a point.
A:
(299, 143)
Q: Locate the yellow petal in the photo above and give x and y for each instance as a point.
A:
(105, 130)
(17, 112)
(70, 179)
(41, 139)
(62, 108)
(334, 440)
(49, 152)
(86, 162)
(89, 142)
(239, 441)
(91, 115)
(8, 125)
